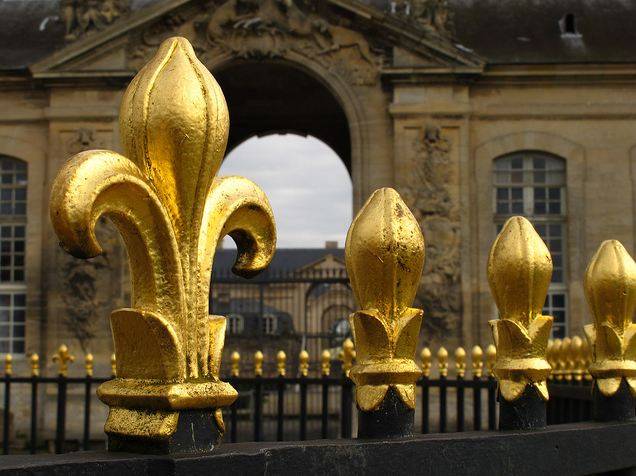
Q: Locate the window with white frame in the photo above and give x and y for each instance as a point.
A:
(234, 324)
(13, 218)
(533, 185)
(269, 324)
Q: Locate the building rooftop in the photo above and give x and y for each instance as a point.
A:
(501, 31)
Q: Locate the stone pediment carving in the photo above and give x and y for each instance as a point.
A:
(350, 39)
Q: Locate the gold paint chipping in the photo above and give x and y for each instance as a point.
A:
(610, 287)
(384, 257)
(519, 272)
(171, 210)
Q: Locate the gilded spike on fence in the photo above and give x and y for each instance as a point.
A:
(519, 273)
(579, 358)
(62, 358)
(384, 255)
(566, 359)
(258, 363)
(113, 365)
(8, 365)
(427, 361)
(491, 359)
(587, 359)
(557, 370)
(549, 356)
(326, 363)
(347, 356)
(477, 356)
(610, 288)
(35, 365)
(303, 363)
(172, 211)
(460, 362)
(235, 360)
(88, 364)
(442, 362)
(281, 362)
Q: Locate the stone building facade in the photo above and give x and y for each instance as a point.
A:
(472, 109)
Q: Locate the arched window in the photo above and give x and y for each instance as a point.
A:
(234, 324)
(532, 184)
(269, 324)
(13, 218)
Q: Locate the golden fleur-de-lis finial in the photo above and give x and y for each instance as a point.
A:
(235, 360)
(476, 357)
(491, 359)
(442, 362)
(610, 288)
(62, 358)
(325, 363)
(258, 363)
(460, 362)
(88, 364)
(519, 272)
(172, 211)
(281, 363)
(384, 255)
(35, 365)
(303, 363)
(427, 361)
(347, 356)
(8, 365)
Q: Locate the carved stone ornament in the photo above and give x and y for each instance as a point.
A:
(428, 196)
(262, 29)
(519, 272)
(610, 287)
(83, 16)
(171, 211)
(385, 256)
(434, 16)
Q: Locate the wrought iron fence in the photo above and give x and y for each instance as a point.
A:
(304, 403)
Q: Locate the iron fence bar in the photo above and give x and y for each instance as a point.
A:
(442, 405)
(492, 403)
(280, 420)
(324, 423)
(345, 411)
(6, 423)
(60, 433)
(303, 409)
(87, 413)
(34, 414)
(460, 406)
(233, 429)
(257, 408)
(477, 404)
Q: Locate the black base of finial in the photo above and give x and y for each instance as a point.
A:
(528, 412)
(618, 407)
(197, 432)
(393, 419)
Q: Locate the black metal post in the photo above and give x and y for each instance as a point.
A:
(618, 407)
(258, 401)
(442, 404)
(345, 408)
(528, 412)
(233, 429)
(280, 417)
(324, 424)
(492, 403)
(425, 405)
(460, 403)
(34, 414)
(476, 403)
(6, 423)
(60, 433)
(87, 413)
(303, 408)
(393, 419)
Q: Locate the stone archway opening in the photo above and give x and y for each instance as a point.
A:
(270, 97)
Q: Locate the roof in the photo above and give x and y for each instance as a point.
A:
(285, 261)
(502, 31)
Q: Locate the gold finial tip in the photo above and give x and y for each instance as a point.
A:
(326, 354)
(477, 352)
(460, 353)
(442, 353)
(347, 344)
(426, 353)
(304, 355)
(8, 358)
(491, 351)
(281, 355)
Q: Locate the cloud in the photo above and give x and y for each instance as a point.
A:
(307, 184)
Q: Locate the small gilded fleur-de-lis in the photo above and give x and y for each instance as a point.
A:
(519, 272)
(385, 256)
(610, 287)
(172, 211)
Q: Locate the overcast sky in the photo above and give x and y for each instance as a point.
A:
(307, 184)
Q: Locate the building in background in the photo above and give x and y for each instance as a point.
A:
(474, 110)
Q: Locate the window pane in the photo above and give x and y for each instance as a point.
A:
(18, 331)
(19, 300)
(517, 193)
(18, 346)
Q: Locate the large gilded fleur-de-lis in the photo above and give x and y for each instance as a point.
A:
(519, 273)
(610, 287)
(164, 198)
(384, 257)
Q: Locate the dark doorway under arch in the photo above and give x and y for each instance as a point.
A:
(266, 97)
